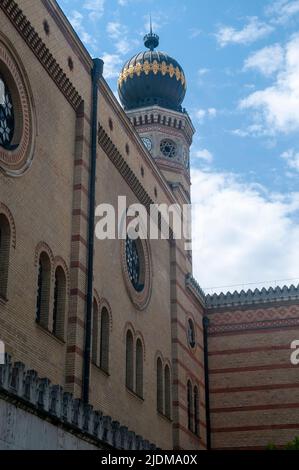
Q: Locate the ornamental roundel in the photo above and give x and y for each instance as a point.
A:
(168, 148)
(16, 118)
(137, 271)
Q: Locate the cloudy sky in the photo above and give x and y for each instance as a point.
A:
(241, 60)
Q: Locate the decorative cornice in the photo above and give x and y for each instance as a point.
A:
(69, 33)
(127, 173)
(151, 117)
(252, 297)
(42, 53)
(119, 162)
(37, 395)
(133, 134)
(239, 299)
(155, 68)
(195, 288)
(256, 325)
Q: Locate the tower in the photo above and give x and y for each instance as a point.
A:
(152, 87)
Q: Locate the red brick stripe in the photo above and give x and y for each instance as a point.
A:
(278, 406)
(77, 292)
(248, 350)
(265, 427)
(75, 349)
(255, 388)
(80, 213)
(80, 187)
(78, 238)
(190, 354)
(78, 321)
(71, 379)
(251, 368)
(78, 265)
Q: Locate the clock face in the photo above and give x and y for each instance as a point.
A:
(147, 143)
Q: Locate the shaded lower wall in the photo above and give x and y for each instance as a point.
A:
(254, 388)
(21, 430)
(35, 415)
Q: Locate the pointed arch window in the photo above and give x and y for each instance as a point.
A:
(190, 404)
(139, 368)
(104, 346)
(95, 332)
(159, 386)
(167, 392)
(196, 411)
(59, 303)
(43, 290)
(5, 238)
(129, 361)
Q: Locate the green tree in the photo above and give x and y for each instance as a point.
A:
(294, 445)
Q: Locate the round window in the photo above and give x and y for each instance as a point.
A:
(17, 119)
(191, 334)
(7, 120)
(168, 148)
(135, 262)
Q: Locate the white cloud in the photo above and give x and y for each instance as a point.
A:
(119, 33)
(203, 71)
(95, 8)
(112, 65)
(292, 159)
(204, 154)
(201, 114)
(282, 11)
(76, 19)
(254, 30)
(254, 130)
(194, 33)
(277, 106)
(267, 60)
(241, 232)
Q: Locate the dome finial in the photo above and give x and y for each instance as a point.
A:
(151, 40)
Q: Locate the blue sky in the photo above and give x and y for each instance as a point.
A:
(241, 60)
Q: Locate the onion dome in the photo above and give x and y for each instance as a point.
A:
(152, 78)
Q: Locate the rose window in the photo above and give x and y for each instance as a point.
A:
(7, 122)
(134, 263)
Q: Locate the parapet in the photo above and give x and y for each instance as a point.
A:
(38, 396)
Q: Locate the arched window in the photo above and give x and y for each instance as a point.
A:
(43, 290)
(167, 392)
(159, 386)
(95, 332)
(104, 348)
(59, 303)
(139, 368)
(5, 235)
(129, 361)
(190, 404)
(196, 411)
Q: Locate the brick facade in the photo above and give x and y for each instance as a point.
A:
(47, 209)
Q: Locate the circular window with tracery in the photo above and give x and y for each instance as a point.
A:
(135, 262)
(137, 270)
(168, 148)
(7, 121)
(16, 115)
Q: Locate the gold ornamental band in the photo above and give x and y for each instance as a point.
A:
(153, 67)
